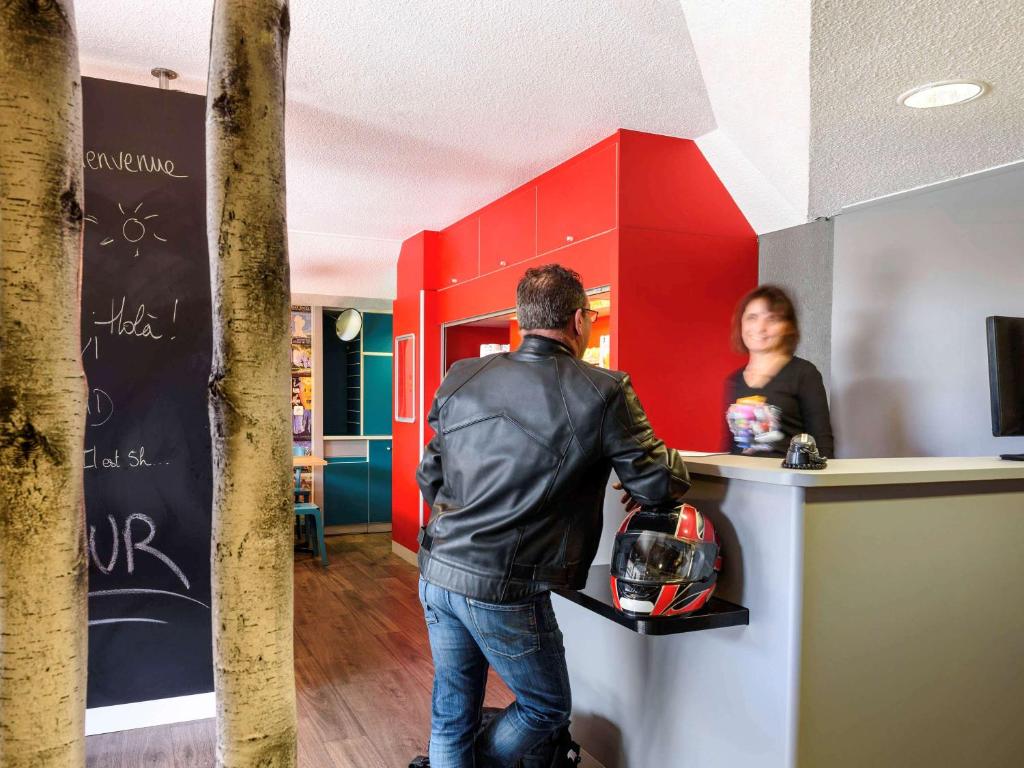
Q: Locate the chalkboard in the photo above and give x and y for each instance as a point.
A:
(146, 347)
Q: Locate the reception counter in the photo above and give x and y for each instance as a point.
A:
(886, 625)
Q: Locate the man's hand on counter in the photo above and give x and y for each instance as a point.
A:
(632, 505)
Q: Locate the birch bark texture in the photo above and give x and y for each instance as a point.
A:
(250, 386)
(43, 567)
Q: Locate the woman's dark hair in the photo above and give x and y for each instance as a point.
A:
(779, 303)
(547, 297)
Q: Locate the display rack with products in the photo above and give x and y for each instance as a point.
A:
(302, 388)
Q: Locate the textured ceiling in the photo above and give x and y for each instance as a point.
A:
(405, 115)
(865, 53)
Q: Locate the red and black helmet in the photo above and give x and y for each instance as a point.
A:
(665, 563)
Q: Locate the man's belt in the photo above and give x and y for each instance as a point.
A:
(519, 571)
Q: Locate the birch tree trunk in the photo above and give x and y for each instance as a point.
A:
(250, 385)
(43, 630)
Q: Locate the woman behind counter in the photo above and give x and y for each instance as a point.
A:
(777, 395)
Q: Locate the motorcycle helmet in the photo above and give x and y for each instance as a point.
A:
(665, 563)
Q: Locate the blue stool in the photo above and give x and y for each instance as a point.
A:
(309, 513)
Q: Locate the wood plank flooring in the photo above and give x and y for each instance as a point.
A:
(362, 671)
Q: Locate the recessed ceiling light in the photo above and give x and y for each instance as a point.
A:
(943, 94)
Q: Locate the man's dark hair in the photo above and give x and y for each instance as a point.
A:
(547, 297)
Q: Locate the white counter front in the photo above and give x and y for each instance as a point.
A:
(886, 603)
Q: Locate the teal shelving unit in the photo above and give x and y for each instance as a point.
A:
(358, 404)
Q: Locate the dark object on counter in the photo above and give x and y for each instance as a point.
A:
(664, 563)
(1006, 374)
(567, 753)
(803, 454)
(1012, 456)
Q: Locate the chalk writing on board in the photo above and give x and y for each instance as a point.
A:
(99, 407)
(133, 459)
(142, 591)
(143, 325)
(131, 546)
(130, 162)
(125, 620)
(93, 343)
(146, 342)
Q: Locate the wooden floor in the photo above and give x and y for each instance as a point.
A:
(362, 671)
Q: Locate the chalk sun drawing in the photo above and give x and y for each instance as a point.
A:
(133, 228)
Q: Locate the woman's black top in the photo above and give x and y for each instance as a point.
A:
(762, 420)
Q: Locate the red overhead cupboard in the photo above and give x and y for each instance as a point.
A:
(643, 217)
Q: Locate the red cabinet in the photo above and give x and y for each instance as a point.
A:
(508, 230)
(459, 252)
(577, 201)
(643, 214)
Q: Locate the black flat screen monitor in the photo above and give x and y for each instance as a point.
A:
(1006, 374)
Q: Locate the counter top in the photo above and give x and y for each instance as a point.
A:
(849, 472)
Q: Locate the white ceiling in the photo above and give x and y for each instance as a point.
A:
(865, 53)
(404, 115)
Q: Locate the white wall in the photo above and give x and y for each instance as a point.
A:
(913, 280)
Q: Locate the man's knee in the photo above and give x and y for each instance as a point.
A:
(545, 717)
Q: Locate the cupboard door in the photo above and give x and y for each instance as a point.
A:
(380, 481)
(577, 201)
(376, 332)
(377, 386)
(508, 230)
(345, 492)
(459, 252)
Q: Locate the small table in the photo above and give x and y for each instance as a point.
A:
(308, 461)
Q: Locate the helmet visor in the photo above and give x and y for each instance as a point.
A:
(650, 557)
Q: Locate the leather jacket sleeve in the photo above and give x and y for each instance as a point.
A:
(651, 472)
(429, 475)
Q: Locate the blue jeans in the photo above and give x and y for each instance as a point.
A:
(524, 645)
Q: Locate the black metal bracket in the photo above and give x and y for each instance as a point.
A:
(597, 597)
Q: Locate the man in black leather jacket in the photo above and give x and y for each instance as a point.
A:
(515, 477)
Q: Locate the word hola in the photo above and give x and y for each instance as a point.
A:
(141, 326)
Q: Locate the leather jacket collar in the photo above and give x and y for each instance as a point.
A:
(538, 347)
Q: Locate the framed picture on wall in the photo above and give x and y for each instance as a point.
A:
(405, 378)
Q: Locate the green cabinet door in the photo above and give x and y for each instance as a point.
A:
(376, 332)
(345, 491)
(380, 481)
(377, 386)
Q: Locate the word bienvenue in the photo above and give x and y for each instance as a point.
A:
(130, 162)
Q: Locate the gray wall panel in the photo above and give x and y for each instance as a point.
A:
(799, 259)
(914, 279)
